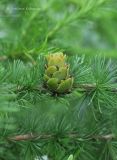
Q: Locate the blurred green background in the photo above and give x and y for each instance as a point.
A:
(32, 27)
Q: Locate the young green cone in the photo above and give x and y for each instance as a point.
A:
(56, 77)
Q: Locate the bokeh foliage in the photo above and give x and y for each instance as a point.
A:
(75, 26)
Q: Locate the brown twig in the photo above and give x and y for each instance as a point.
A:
(22, 137)
(89, 87)
(106, 137)
(49, 136)
(84, 87)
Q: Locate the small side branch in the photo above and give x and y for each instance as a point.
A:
(88, 87)
(26, 137)
(22, 137)
(105, 137)
(81, 87)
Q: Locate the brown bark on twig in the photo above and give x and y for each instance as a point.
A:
(49, 136)
(88, 87)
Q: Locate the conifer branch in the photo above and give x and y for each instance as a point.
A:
(86, 87)
(68, 135)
